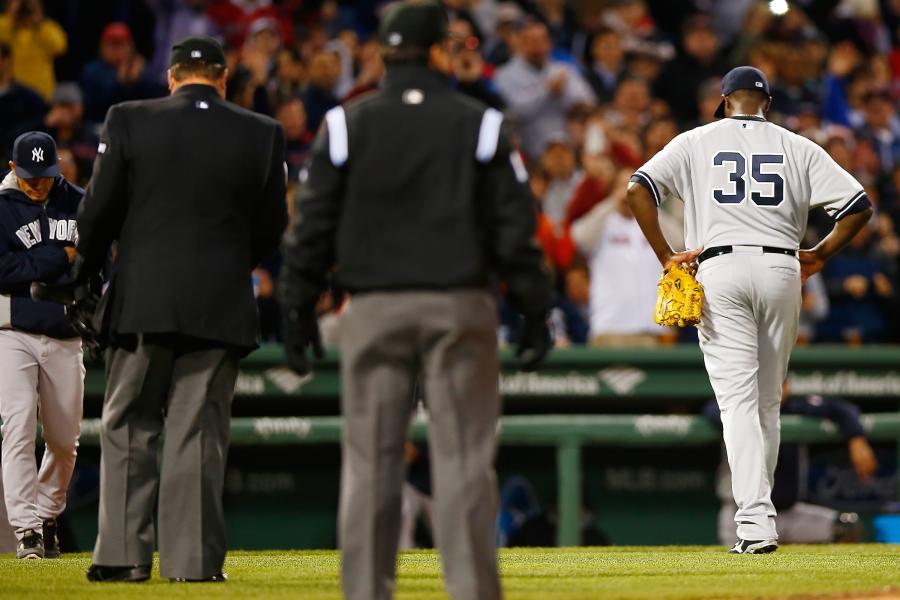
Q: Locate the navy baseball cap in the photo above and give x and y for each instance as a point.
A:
(34, 154)
(742, 78)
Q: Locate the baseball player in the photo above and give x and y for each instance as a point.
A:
(41, 370)
(747, 187)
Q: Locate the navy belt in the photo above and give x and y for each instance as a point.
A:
(720, 250)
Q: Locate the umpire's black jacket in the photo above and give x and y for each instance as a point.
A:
(414, 187)
(193, 189)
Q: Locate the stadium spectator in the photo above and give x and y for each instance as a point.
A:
(554, 240)
(290, 74)
(36, 41)
(882, 128)
(630, 108)
(699, 60)
(176, 20)
(233, 18)
(794, 85)
(471, 74)
(607, 64)
(68, 166)
(640, 35)
(502, 45)
(264, 39)
(657, 134)
(621, 314)
(118, 74)
(599, 171)
(709, 94)
(21, 108)
(292, 116)
(573, 308)
(370, 69)
(319, 97)
(860, 291)
(538, 91)
(65, 122)
(558, 162)
(813, 308)
(561, 22)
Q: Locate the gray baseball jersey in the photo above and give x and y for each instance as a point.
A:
(747, 181)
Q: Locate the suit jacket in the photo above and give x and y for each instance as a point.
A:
(193, 189)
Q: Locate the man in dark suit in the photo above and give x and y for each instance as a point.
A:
(193, 189)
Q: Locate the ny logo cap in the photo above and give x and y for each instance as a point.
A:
(34, 154)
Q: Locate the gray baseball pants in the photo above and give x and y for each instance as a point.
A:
(41, 380)
(748, 328)
(448, 341)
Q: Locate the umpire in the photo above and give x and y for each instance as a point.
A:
(193, 189)
(418, 200)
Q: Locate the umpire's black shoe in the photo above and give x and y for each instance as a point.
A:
(754, 547)
(31, 546)
(51, 540)
(219, 578)
(129, 573)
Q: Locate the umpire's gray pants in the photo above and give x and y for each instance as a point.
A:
(174, 386)
(387, 341)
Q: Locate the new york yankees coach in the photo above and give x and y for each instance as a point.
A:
(193, 189)
(417, 198)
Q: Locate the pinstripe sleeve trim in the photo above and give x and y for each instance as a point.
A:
(858, 203)
(646, 181)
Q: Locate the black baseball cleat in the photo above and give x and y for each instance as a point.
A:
(51, 540)
(218, 578)
(127, 574)
(754, 547)
(31, 546)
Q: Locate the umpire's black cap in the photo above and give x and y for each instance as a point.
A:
(742, 78)
(414, 23)
(205, 49)
(34, 154)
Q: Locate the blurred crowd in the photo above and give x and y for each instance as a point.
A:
(592, 89)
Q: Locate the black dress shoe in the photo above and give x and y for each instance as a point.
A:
(129, 573)
(220, 578)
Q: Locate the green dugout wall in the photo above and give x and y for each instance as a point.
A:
(586, 406)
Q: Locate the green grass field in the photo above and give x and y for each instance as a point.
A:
(845, 571)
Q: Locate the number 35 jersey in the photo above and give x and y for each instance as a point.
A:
(745, 181)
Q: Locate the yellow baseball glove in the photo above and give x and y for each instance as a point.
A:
(679, 298)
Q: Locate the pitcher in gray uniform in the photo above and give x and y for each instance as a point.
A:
(747, 187)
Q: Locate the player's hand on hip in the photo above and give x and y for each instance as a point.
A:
(810, 264)
(688, 258)
(863, 457)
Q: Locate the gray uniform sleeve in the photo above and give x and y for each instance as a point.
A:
(832, 187)
(663, 174)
